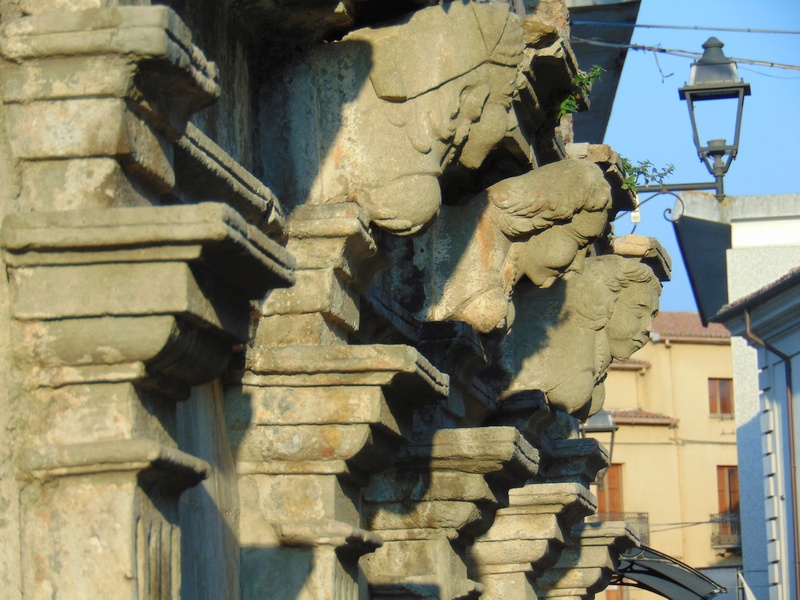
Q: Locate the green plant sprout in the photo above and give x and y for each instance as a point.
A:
(643, 173)
(583, 84)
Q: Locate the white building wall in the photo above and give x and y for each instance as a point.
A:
(767, 541)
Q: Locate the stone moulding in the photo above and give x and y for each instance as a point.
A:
(96, 100)
(173, 467)
(66, 255)
(343, 537)
(399, 368)
(211, 233)
(138, 34)
(204, 171)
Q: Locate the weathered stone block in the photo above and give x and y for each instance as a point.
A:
(318, 290)
(310, 329)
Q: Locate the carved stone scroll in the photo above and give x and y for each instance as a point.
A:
(364, 124)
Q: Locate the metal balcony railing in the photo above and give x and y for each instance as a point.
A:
(725, 531)
(640, 521)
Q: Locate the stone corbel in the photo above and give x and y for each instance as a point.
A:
(87, 310)
(443, 493)
(336, 258)
(307, 426)
(588, 562)
(315, 409)
(107, 140)
(527, 537)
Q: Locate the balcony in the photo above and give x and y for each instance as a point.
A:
(725, 531)
(639, 520)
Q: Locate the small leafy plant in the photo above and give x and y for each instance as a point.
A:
(643, 173)
(583, 84)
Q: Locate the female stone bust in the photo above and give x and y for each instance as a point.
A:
(537, 225)
(569, 334)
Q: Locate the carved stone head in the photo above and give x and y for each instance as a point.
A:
(537, 225)
(565, 337)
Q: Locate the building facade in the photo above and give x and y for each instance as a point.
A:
(751, 243)
(674, 461)
(305, 300)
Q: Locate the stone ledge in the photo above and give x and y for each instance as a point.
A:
(340, 535)
(498, 452)
(401, 368)
(172, 466)
(210, 232)
(206, 172)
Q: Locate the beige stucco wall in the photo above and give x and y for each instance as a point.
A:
(671, 472)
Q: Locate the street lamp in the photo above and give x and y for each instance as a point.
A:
(713, 77)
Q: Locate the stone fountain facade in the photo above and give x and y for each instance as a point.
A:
(304, 300)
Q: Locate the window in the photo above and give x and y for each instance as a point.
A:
(728, 489)
(720, 397)
(609, 498)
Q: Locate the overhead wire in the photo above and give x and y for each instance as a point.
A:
(691, 27)
(683, 53)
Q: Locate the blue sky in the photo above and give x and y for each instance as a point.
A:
(650, 122)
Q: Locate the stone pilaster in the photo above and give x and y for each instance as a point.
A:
(428, 509)
(528, 536)
(117, 314)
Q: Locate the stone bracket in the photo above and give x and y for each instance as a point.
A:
(211, 233)
(151, 36)
(499, 453)
(577, 460)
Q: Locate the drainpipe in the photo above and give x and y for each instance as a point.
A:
(790, 415)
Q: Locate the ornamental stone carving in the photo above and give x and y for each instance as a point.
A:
(536, 226)
(202, 395)
(377, 117)
(567, 335)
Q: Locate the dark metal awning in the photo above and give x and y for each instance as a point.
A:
(663, 575)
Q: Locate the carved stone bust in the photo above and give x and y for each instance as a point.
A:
(568, 334)
(376, 117)
(537, 225)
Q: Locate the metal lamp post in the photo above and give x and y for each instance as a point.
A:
(713, 77)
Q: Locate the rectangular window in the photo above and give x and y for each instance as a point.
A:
(609, 498)
(728, 489)
(720, 397)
